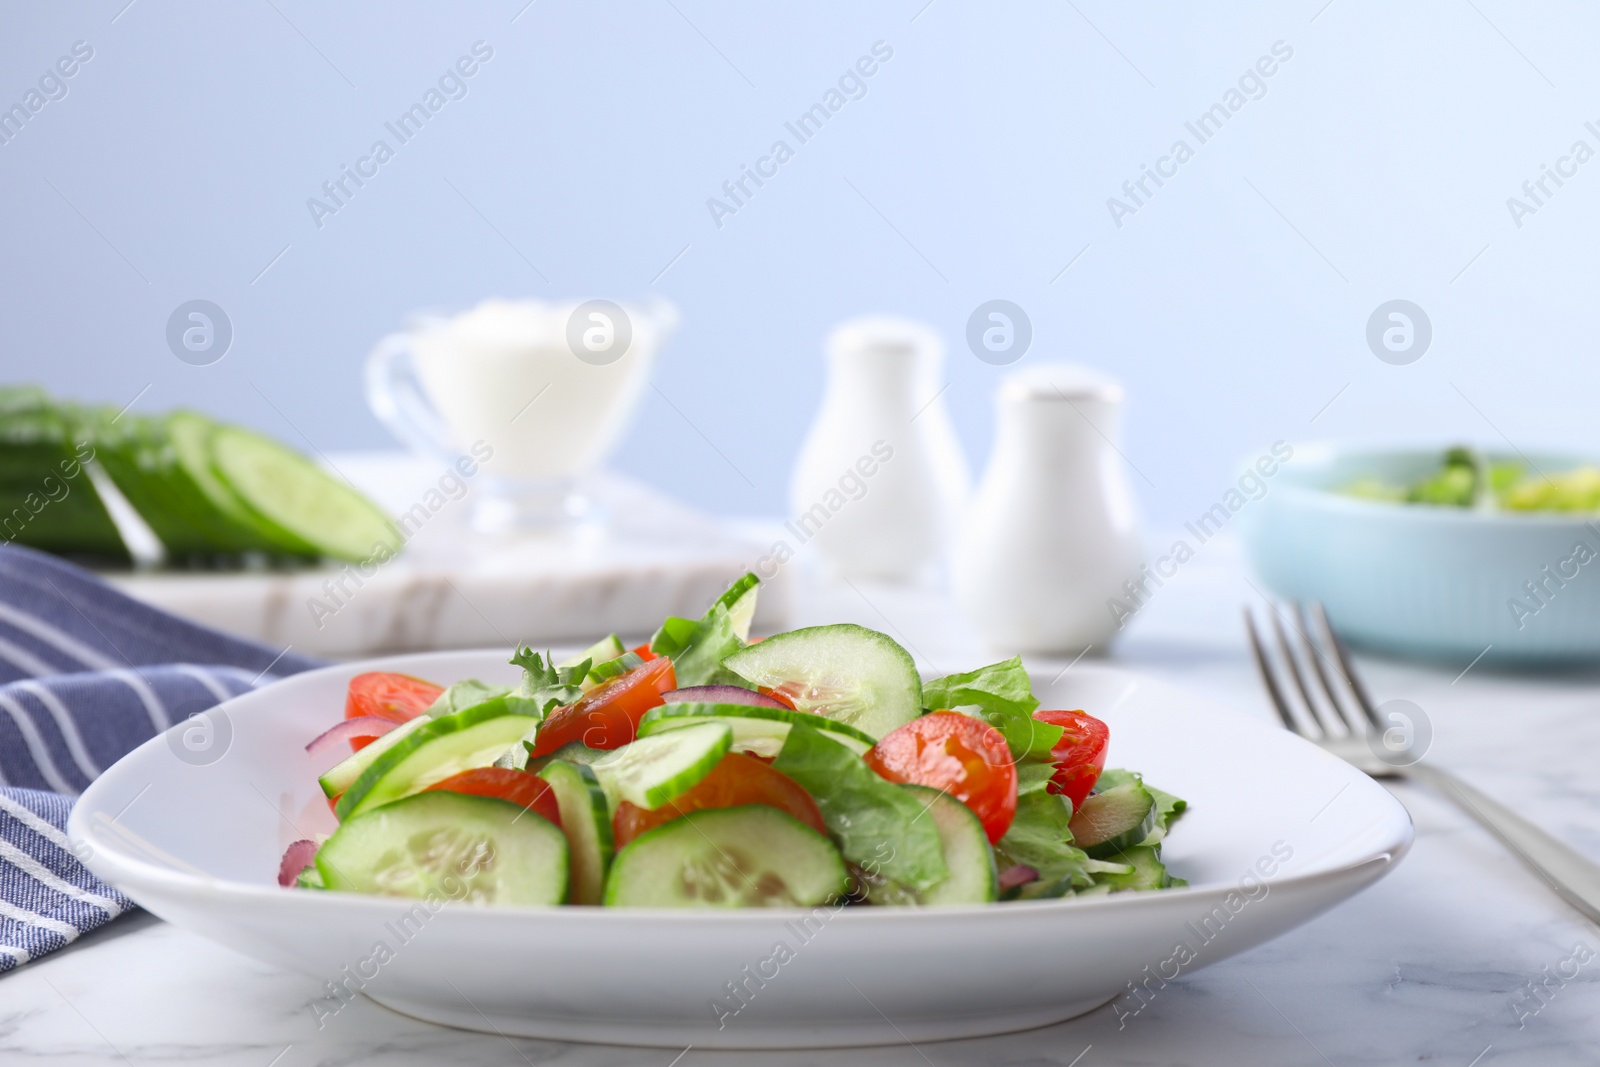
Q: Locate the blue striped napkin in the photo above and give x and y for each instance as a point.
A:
(87, 674)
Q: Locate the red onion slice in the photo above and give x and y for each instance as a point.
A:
(722, 694)
(296, 859)
(1018, 875)
(368, 726)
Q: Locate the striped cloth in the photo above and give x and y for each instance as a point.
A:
(87, 674)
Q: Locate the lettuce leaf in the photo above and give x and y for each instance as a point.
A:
(1002, 696)
(546, 686)
(1039, 838)
(878, 826)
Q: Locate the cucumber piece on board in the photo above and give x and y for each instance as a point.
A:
(288, 494)
(844, 672)
(751, 856)
(138, 455)
(46, 498)
(472, 849)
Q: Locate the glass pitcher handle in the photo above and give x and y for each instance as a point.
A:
(398, 399)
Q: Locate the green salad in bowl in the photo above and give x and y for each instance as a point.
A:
(1468, 479)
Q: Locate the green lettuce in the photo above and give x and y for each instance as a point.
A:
(877, 825)
(697, 647)
(546, 686)
(1002, 696)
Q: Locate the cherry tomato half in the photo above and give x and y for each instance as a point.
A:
(519, 787)
(1079, 756)
(963, 756)
(396, 697)
(736, 780)
(608, 716)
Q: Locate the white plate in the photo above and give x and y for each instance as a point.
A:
(196, 839)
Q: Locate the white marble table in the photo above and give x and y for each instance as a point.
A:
(1424, 967)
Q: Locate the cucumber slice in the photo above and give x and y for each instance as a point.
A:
(973, 878)
(288, 494)
(1109, 823)
(480, 850)
(342, 775)
(310, 878)
(740, 600)
(571, 752)
(601, 673)
(190, 433)
(138, 454)
(1148, 872)
(431, 753)
(604, 649)
(757, 730)
(586, 820)
(652, 770)
(845, 672)
(746, 857)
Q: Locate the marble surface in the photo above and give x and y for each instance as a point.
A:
(455, 588)
(1424, 967)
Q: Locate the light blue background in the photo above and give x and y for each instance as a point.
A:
(1233, 305)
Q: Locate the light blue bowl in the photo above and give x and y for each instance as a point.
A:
(1420, 580)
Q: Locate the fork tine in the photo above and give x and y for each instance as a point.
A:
(1286, 649)
(1351, 721)
(1271, 681)
(1346, 668)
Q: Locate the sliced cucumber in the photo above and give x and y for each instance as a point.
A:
(310, 878)
(757, 730)
(586, 820)
(745, 857)
(602, 650)
(1108, 823)
(571, 752)
(431, 753)
(1148, 872)
(190, 433)
(740, 600)
(973, 878)
(287, 493)
(342, 775)
(652, 770)
(601, 673)
(845, 672)
(452, 846)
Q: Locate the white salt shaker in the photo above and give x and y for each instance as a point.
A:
(1052, 535)
(881, 479)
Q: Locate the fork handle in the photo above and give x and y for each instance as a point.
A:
(1570, 874)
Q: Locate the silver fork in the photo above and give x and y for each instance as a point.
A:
(1341, 718)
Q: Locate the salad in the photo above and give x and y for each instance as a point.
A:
(704, 769)
(1466, 479)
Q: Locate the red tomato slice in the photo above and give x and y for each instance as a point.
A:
(963, 756)
(782, 698)
(738, 779)
(519, 787)
(396, 697)
(644, 653)
(608, 716)
(1079, 756)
